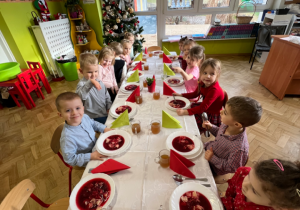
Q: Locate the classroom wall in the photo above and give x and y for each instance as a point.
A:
(15, 19)
(234, 46)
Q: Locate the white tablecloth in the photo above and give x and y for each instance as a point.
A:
(147, 186)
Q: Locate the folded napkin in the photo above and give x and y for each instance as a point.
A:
(146, 51)
(110, 166)
(151, 88)
(168, 121)
(180, 164)
(131, 98)
(139, 57)
(166, 51)
(134, 77)
(168, 71)
(166, 59)
(167, 90)
(138, 67)
(122, 120)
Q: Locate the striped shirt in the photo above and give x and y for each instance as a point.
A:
(230, 152)
(96, 102)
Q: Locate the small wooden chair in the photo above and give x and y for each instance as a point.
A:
(37, 71)
(154, 48)
(18, 196)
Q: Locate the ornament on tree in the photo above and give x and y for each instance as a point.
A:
(107, 26)
(115, 27)
(118, 20)
(126, 13)
(130, 10)
(113, 3)
(111, 13)
(103, 5)
(124, 16)
(110, 31)
(104, 14)
(107, 8)
(106, 33)
(135, 24)
(120, 11)
(138, 21)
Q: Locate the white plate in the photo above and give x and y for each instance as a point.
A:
(136, 62)
(174, 77)
(119, 151)
(122, 88)
(116, 116)
(187, 102)
(157, 51)
(99, 144)
(131, 72)
(116, 105)
(193, 186)
(198, 145)
(171, 56)
(87, 178)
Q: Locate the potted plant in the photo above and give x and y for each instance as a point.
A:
(151, 84)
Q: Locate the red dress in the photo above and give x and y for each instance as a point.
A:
(235, 199)
(182, 62)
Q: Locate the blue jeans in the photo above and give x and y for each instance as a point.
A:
(101, 119)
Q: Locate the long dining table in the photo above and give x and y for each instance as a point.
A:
(146, 185)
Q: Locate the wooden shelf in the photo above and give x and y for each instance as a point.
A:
(83, 31)
(75, 18)
(82, 44)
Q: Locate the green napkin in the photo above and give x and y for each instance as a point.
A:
(139, 57)
(166, 51)
(169, 122)
(122, 120)
(168, 71)
(134, 77)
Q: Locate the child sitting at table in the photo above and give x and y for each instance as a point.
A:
(180, 44)
(126, 51)
(91, 90)
(230, 149)
(194, 60)
(120, 66)
(78, 135)
(129, 36)
(187, 45)
(212, 93)
(270, 184)
(107, 72)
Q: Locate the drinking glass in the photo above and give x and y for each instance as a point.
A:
(139, 98)
(150, 54)
(155, 126)
(144, 59)
(145, 83)
(163, 158)
(156, 94)
(146, 67)
(135, 126)
(161, 55)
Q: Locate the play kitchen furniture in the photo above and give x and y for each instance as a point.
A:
(281, 73)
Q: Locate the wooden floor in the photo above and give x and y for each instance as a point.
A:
(25, 134)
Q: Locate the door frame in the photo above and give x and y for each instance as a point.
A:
(6, 48)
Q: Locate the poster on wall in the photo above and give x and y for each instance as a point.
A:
(88, 1)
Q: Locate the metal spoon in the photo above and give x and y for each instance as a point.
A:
(179, 178)
(204, 119)
(175, 102)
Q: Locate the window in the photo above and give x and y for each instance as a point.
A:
(149, 23)
(215, 3)
(145, 5)
(180, 4)
(231, 18)
(258, 2)
(187, 25)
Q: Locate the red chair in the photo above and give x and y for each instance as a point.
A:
(37, 70)
(29, 83)
(17, 96)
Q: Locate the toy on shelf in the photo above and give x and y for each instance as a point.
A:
(42, 6)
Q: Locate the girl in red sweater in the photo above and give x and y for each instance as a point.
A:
(270, 184)
(212, 93)
(187, 45)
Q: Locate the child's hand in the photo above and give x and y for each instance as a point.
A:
(107, 129)
(116, 89)
(176, 94)
(209, 154)
(96, 84)
(97, 156)
(207, 125)
(177, 69)
(181, 112)
(122, 57)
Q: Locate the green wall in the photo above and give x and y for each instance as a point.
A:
(234, 46)
(17, 19)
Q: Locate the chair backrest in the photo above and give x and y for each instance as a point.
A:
(17, 197)
(153, 48)
(225, 98)
(27, 80)
(34, 65)
(55, 141)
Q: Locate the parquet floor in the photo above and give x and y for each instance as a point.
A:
(25, 134)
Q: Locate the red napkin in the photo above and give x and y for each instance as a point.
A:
(131, 98)
(146, 51)
(166, 59)
(180, 164)
(110, 166)
(168, 90)
(138, 66)
(154, 80)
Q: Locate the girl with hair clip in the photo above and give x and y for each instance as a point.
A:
(107, 72)
(187, 45)
(270, 184)
(180, 44)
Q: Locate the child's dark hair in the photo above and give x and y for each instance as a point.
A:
(198, 53)
(245, 110)
(281, 186)
(183, 39)
(67, 96)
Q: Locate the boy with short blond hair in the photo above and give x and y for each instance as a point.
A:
(230, 149)
(92, 91)
(78, 135)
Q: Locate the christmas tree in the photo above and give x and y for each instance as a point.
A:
(119, 18)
